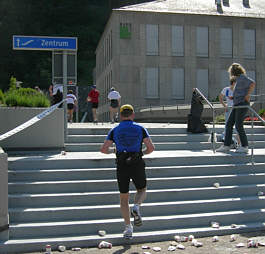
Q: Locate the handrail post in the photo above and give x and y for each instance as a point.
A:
(211, 106)
(252, 137)
(213, 132)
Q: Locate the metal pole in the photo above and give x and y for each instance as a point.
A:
(77, 107)
(65, 93)
(252, 138)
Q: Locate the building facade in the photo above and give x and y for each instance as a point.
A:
(154, 53)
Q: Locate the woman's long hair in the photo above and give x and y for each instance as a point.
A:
(236, 69)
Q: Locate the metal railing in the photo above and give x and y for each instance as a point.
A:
(253, 112)
(213, 135)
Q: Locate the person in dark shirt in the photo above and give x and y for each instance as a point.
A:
(93, 98)
(243, 88)
(128, 137)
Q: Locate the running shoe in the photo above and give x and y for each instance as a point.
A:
(127, 233)
(137, 218)
(223, 149)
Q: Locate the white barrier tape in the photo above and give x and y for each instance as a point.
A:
(31, 121)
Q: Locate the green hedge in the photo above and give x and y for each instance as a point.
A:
(25, 97)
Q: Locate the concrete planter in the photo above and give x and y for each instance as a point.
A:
(46, 134)
(4, 220)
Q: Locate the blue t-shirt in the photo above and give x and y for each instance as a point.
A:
(128, 136)
(241, 88)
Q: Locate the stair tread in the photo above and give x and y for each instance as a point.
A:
(147, 168)
(148, 191)
(158, 233)
(149, 204)
(149, 218)
(148, 179)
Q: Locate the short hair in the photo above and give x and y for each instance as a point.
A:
(232, 80)
(112, 89)
(70, 91)
(236, 69)
(126, 110)
(126, 113)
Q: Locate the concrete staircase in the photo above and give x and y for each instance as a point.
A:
(65, 199)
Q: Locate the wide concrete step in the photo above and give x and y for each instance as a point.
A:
(158, 138)
(110, 173)
(112, 197)
(53, 214)
(157, 158)
(158, 129)
(153, 183)
(114, 226)
(94, 147)
(38, 244)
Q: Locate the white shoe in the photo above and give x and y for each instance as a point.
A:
(127, 233)
(223, 149)
(242, 149)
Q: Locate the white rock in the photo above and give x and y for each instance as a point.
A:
(215, 238)
(61, 248)
(145, 247)
(240, 245)
(181, 246)
(171, 248)
(156, 249)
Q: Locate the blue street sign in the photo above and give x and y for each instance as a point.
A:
(21, 42)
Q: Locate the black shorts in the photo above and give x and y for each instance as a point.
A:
(114, 103)
(94, 104)
(57, 98)
(135, 172)
(70, 105)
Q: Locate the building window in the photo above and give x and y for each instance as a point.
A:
(152, 40)
(177, 83)
(249, 43)
(177, 41)
(226, 42)
(225, 80)
(152, 83)
(202, 41)
(202, 81)
(125, 30)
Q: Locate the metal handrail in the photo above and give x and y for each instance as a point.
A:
(213, 135)
(253, 112)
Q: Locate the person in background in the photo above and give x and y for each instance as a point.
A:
(56, 92)
(128, 137)
(92, 97)
(38, 89)
(241, 97)
(115, 99)
(71, 103)
(227, 94)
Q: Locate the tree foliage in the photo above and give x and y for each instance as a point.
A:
(82, 19)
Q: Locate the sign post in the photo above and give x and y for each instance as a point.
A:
(63, 44)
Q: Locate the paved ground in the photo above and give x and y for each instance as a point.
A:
(223, 246)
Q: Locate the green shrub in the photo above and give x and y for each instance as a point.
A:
(220, 118)
(262, 112)
(13, 83)
(26, 97)
(2, 98)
